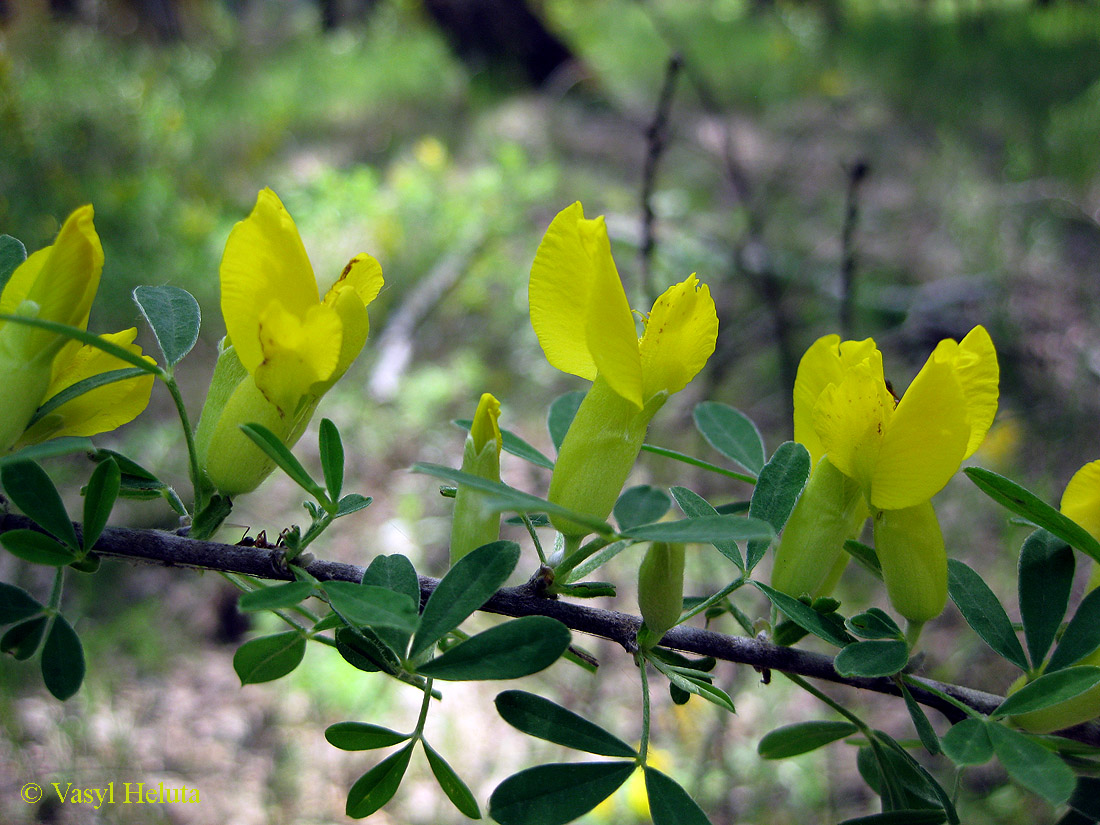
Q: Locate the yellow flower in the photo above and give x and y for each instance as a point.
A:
(472, 525)
(286, 347)
(585, 326)
(58, 284)
(900, 453)
(582, 319)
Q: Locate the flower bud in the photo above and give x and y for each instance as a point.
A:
(598, 454)
(660, 591)
(472, 524)
(910, 550)
(810, 556)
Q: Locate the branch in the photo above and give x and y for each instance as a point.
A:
(171, 550)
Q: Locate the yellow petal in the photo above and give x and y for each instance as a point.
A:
(61, 279)
(264, 264)
(850, 419)
(978, 374)
(1081, 500)
(485, 427)
(925, 439)
(356, 287)
(825, 362)
(102, 409)
(679, 337)
(299, 354)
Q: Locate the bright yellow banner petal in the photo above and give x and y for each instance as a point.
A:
(978, 374)
(825, 362)
(562, 276)
(358, 285)
(61, 279)
(1081, 500)
(849, 419)
(926, 438)
(264, 263)
(298, 354)
(679, 337)
(102, 409)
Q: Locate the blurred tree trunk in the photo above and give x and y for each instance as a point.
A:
(500, 34)
(162, 16)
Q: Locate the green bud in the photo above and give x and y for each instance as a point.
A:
(230, 460)
(660, 591)
(910, 550)
(598, 454)
(810, 556)
(472, 524)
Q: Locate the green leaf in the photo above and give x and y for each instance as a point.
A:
(777, 489)
(641, 505)
(599, 559)
(695, 506)
(866, 556)
(731, 433)
(12, 254)
(451, 783)
(806, 617)
(32, 491)
(173, 314)
(516, 648)
(466, 587)
(66, 445)
(924, 728)
(332, 458)
(1081, 636)
(1025, 503)
(275, 597)
(697, 686)
(37, 548)
(802, 737)
(16, 604)
(709, 529)
(968, 742)
(364, 605)
(1049, 689)
(22, 640)
(362, 736)
(983, 612)
(92, 340)
(269, 657)
(364, 649)
(1045, 578)
(512, 443)
(273, 448)
(556, 794)
(501, 497)
(377, 786)
(395, 573)
(126, 465)
(873, 624)
(669, 804)
(1032, 765)
(904, 816)
(917, 783)
(547, 720)
(99, 500)
(351, 503)
(72, 391)
(876, 658)
(62, 660)
(563, 410)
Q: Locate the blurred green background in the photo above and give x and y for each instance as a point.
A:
(897, 169)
